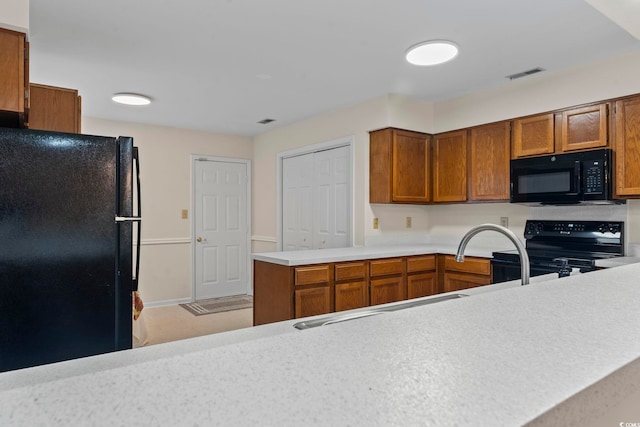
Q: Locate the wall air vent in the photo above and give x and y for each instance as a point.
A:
(266, 121)
(525, 73)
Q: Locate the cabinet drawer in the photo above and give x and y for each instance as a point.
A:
(311, 275)
(470, 265)
(351, 270)
(385, 267)
(421, 263)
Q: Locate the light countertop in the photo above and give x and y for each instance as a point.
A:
(319, 256)
(554, 353)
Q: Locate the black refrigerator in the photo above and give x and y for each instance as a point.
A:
(67, 268)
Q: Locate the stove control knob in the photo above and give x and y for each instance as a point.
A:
(602, 228)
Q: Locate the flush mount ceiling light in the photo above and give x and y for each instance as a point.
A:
(433, 52)
(131, 99)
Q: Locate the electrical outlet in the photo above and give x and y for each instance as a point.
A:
(185, 213)
(375, 223)
(408, 222)
(504, 221)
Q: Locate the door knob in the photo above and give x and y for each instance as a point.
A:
(199, 239)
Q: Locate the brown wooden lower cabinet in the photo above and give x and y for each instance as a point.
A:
(422, 285)
(312, 301)
(460, 281)
(351, 295)
(464, 275)
(388, 289)
(287, 292)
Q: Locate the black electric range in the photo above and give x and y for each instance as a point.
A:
(558, 246)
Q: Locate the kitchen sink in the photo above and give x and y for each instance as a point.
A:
(373, 311)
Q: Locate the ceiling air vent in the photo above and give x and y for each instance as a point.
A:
(525, 73)
(266, 121)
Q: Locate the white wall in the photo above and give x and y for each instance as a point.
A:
(165, 165)
(356, 120)
(15, 15)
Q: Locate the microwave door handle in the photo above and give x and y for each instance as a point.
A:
(578, 176)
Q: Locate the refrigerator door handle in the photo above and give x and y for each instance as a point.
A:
(128, 219)
(136, 161)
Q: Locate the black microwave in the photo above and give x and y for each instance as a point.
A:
(561, 179)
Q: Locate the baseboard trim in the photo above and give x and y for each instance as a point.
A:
(166, 303)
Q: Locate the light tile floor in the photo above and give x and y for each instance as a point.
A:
(174, 323)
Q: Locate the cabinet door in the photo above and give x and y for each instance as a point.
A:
(469, 265)
(411, 167)
(389, 289)
(450, 167)
(12, 70)
(490, 155)
(351, 295)
(460, 281)
(54, 108)
(627, 179)
(312, 301)
(421, 285)
(533, 136)
(584, 128)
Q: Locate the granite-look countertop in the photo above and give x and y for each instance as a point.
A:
(553, 353)
(353, 253)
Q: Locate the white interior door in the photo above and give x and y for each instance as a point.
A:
(333, 198)
(221, 229)
(297, 212)
(316, 200)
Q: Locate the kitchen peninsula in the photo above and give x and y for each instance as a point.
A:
(296, 284)
(560, 352)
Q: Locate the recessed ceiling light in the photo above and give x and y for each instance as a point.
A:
(131, 99)
(432, 52)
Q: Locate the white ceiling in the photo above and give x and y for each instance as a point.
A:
(223, 65)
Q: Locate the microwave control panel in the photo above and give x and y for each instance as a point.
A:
(593, 171)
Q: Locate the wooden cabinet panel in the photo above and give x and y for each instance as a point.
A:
(272, 293)
(386, 290)
(311, 275)
(533, 136)
(460, 281)
(627, 147)
(422, 285)
(351, 270)
(351, 295)
(399, 167)
(54, 108)
(450, 167)
(383, 267)
(421, 263)
(584, 128)
(470, 265)
(490, 155)
(411, 167)
(312, 301)
(14, 74)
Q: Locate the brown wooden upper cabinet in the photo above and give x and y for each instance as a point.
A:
(627, 147)
(14, 78)
(580, 128)
(399, 167)
(490, 154)
(585, 128)
(533, 136)
(450, 167)
(54, 108)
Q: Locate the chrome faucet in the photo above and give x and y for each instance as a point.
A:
(524, 258)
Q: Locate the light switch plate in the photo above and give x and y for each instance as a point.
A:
(504, 221)
(375, 223)
(408, 222)
(185, 213)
